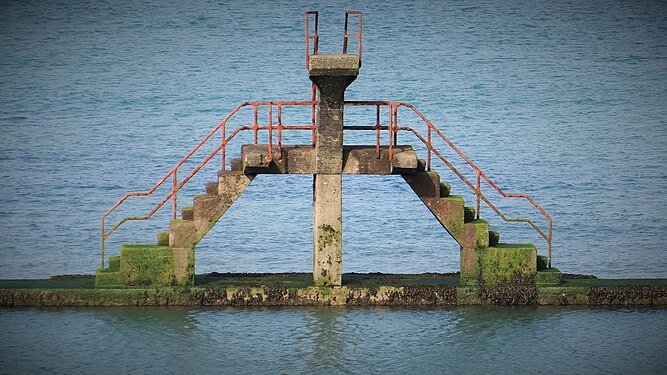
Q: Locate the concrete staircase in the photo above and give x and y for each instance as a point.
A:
(483, 257)
(171, 260)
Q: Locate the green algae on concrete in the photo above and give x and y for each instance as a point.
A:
(297, 289)
(502, 262)
(147, 264)
(108, 278)
(549, 276)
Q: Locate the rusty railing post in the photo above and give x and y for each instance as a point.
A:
(429, 147)
(270, 131)
(280, 131)
(479, 191)
(174, 192)
(255, 126)
(377, 130)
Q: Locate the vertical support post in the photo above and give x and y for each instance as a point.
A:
(395, 124)
(430, 148)
(391, 129)
(280, 131)
(223, 143)
(255, 126)
(332, 74)
(377, 130)
(270, 131)
(173, 194)
(102, 245)
(549, 244)
(478, 191)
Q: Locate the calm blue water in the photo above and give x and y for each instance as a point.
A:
(468, 340)
(566, 102)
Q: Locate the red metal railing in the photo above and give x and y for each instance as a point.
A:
(315, 37)
(221, 127)
(346, 35)
(357, 36)
(392, 129)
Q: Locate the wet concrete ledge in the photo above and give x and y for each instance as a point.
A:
(296, 289)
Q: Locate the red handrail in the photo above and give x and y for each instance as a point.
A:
(173, 172)
(393, 128)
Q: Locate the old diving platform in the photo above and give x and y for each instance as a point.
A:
(171, 261)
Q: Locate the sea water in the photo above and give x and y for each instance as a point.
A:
(566, 102)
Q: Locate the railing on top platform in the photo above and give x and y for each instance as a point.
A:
(346, 34)
(391, 127)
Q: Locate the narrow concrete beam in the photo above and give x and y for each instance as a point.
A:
(301, 159)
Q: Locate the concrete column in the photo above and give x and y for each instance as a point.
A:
(332, 74)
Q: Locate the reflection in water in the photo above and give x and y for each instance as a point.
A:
(333, 340)
(322, 344)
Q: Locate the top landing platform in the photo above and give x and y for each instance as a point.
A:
(333, 65)
(301, 159)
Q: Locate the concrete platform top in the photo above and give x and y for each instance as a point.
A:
(334, 65)
(300, 159)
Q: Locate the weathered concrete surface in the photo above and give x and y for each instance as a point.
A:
(301, 159)
(207, 209)
(359, 289)
(333, 65)
(295, 159)
(331, 74)
(483, 259)
(327, 229)
(365, 160)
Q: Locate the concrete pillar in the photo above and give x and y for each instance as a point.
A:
(332, 74)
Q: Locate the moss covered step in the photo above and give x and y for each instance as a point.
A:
(504, 261)
(549, 277)
(108, 278)
(114, 263)
(163, 238)
(494, 238)
(147, 264)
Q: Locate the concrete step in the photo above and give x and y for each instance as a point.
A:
(469, 214)
(236, 165)
(187, 213)
(421, 165)
(445, 189)
(163, 238)
(494, 237)
(212, 188)
(108, 278)
(498, 263)
(207, 209)
(424, 184)
(114, 263)
(475, 234)
(181, 233)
